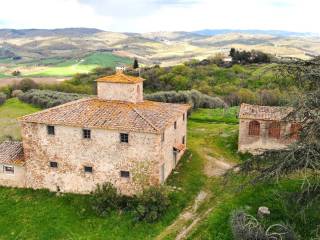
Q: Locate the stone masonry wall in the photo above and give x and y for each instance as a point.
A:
(119, 91)
(171, 137)
(256, 144)
(17, 179)
(103, 152)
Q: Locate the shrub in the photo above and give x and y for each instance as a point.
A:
(3, 98)
(105, 199)
(246, 227)
(47, 98)
(151, 204)
(195, 98)
(16, 93)
(26, 84)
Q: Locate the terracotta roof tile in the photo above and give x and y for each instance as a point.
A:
(11, 152)
(145, 116)
(120, 77)
(263, 112)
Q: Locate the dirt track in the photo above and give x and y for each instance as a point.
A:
(12, 80)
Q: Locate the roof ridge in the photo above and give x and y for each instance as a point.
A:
(144, 118)
(56, 107)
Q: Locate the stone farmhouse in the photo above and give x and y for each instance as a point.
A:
(263, 127)
(116, 137)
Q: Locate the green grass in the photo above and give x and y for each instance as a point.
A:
(9, 112)
(85, 65)
(228, 115)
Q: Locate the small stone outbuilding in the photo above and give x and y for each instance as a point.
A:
(263, 128)
(12, 164)
(116, 137)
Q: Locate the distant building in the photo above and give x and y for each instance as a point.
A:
(263, 127)
(117, 137)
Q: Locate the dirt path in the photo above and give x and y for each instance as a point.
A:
(190, 217)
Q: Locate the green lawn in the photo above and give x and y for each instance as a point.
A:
(39, 214)
(9, 112)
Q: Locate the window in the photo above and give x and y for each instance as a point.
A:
(183, 139)
(162, 137)
(50, 130)
(175, 125)
(295, 130)
(87, 169)
(86, 133)
(184, 117)
(254, 128)
(8, 169)
(274, 130)
(53, 164)
(124, 174)
(124, 137)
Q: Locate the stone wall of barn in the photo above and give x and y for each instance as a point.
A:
(120, 91)
(103, 152)
(172, 137)
(258, 144)
(15, 179)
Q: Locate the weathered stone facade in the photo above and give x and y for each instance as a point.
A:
(12, 179)
(263, 128)
(122, 92)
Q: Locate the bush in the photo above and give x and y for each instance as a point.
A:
(105, 199)
(16, 93)
(26, 84)
(3, 98)
(195, 98)
(47, 98)
(246, 227)
(151, 204)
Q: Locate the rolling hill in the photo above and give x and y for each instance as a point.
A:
(74, 47)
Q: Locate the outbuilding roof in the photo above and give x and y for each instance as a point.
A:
(146, 116)
(248, 111)
(11, 152)
(120, 77)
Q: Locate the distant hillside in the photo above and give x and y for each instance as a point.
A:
(279, 33)
(166, 48)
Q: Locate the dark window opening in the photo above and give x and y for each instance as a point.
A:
(175, 125)
(184, 117)
(162, 137)
(254, 128)
(274, 130)
(86, 133)
(50, 130)
(124, 174)
(183, 140)
(124, 137)
(87, 169)
(53, 164)
(8, 169)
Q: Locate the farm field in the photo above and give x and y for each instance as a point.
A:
(56, 67)
(203, 193)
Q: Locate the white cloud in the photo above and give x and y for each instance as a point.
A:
(50, 14)
(162, 15)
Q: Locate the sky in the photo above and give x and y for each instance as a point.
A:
(162, 15)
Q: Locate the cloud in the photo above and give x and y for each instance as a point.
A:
(162, 15)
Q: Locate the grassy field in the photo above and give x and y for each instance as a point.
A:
(58, 67)
(212, 134)
(9, 112)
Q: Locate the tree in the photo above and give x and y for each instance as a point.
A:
(135, 63)
(304, 155)
(232, 52)
(16, 73)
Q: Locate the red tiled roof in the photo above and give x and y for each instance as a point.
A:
(264, 112)
(120, 77)
(11, 152)
(146, 116)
